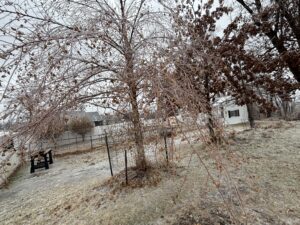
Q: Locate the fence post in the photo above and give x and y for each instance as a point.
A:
(108, 153)
(166, 146)
(126, 169)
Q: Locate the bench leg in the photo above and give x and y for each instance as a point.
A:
(50, 157)
(46, 162)
(32, 165)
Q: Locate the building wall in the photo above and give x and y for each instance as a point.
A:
(242, 118)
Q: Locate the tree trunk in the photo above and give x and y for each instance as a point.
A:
(138, 133)
(132, 85)
(250, 115)
(210, 122)
(135, 119)
(211, 126)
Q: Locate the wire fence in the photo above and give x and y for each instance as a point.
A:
(119, 147)
(75, 143)
(122, 155)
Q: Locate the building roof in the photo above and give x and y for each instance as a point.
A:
(223, 100)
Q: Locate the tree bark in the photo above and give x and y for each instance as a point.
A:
(211, 126)
(135, 119)
(138, 133)
(250, 115)
(210, 122)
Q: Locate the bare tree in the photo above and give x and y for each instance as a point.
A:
(81, 125)
(74, 52)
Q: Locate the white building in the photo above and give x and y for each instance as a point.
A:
(230, 112)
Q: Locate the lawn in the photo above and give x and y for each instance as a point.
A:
(256, 181)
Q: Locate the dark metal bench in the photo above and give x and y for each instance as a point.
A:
(42, 159)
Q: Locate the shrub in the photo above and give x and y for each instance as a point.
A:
(81, 125)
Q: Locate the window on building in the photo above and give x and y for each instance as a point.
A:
(234, 113)
(98, 123)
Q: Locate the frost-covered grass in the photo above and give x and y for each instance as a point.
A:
(263, 163)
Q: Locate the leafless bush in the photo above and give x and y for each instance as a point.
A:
(80, 125)
(53, 129)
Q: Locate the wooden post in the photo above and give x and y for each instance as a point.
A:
(108, 153)
(126, 169)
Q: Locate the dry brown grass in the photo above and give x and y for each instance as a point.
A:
(138, 179)
(263, 163)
